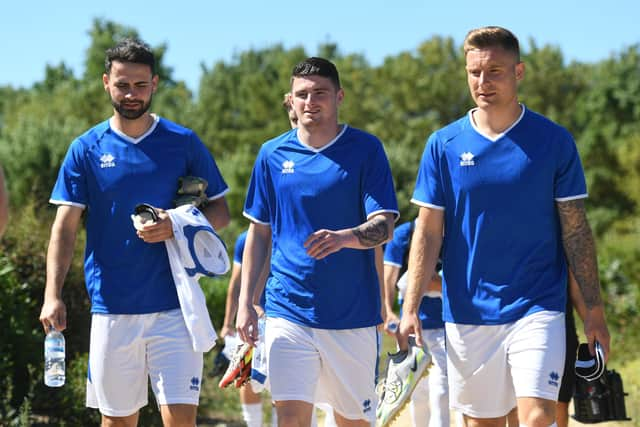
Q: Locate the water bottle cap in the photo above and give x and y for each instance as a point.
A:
(393, 326)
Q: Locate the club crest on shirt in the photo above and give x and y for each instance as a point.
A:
(287, 166)
(466, 159)
(107, 161)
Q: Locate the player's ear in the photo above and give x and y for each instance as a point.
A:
(520, 71)
(154, 83)
(340, 96)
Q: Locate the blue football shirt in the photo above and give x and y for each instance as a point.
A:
(503, 256)
(239, 248)
(297, 190)
(109, 173)
(237, 258)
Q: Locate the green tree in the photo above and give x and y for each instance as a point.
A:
(607, 113)
(105, 34)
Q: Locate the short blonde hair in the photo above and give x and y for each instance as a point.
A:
(486, 37)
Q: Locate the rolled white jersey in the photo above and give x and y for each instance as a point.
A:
(297, 190)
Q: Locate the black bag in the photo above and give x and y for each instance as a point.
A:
(600, 400)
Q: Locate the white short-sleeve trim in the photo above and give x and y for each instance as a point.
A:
(391, 263)
(427, 205)
(253, 219)
(396, 214)
(67, 203)
(569, 198)
(222, 193)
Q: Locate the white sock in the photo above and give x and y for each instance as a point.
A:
(252, 414)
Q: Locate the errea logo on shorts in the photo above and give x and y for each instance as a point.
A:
(466, 159)
(366, 406)
(107, 161)
(553, 378)
(195, 384)
(287, 166)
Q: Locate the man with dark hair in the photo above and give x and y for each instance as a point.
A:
(507, 187)
(137, 329)
(322, 197)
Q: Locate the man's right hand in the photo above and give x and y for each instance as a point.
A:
(53, 313)
(247, 324)
(410, 324)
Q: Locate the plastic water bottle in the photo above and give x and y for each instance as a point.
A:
(393, 327)
(259, 362)
(54, 367)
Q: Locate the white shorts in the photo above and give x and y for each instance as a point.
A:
(336, 367)
(125, 350)
(489, 366)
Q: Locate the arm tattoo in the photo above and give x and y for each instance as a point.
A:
(372, 232)
(580, 250)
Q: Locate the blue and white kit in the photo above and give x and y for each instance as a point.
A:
(297, 190)
(502, 232)
(109, 173)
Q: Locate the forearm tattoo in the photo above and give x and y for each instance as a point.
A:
(580, 250)
(372, 232)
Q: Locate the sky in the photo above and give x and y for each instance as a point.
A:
(40, 32)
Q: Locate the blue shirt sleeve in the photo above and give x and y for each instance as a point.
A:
(71, 184)
(258, 198)
(379, 193)
(239, 248)
(202, 164)
(569, 182)
(428, 190)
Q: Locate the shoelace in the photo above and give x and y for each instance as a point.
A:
(237, 355)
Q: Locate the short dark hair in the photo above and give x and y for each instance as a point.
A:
(315, 66)
(130, 50)
(486, 37)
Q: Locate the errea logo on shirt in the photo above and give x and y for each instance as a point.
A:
(107, 161)
(466, 159)
(287, 166)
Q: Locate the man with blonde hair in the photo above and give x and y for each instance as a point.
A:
(505, 187)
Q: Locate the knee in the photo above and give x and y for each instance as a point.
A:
(538, 416)
(536, 412)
